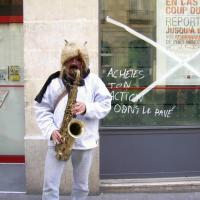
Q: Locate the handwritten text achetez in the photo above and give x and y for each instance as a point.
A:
(125, 73)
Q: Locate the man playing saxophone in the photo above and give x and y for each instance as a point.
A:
(93, 102)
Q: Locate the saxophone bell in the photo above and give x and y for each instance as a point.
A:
(75, 128)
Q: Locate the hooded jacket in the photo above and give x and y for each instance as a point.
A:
(95, 95)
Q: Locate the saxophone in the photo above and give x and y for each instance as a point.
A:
(71, 128)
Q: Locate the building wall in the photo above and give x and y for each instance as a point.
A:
(46, 25)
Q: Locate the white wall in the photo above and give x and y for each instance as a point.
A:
(46, 25)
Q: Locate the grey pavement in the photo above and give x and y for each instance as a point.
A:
(12, 177)
(114, 196)
(12, 174)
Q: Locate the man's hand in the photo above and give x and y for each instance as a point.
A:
(79, 108)
(56, 137)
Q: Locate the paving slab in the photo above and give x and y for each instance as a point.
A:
(114, 196)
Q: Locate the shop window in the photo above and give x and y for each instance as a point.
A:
(154, 80)
(11, 78)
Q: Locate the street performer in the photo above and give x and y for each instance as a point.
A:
(93, 102)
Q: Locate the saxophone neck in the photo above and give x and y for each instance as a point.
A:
(78, 76)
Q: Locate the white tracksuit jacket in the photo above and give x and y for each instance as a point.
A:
(98, 104)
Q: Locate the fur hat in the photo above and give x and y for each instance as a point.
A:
(71, 50)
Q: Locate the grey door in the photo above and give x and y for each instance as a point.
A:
(149, 153)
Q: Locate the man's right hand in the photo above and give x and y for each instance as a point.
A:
(56, 137)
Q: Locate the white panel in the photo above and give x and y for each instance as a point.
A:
(12, 105)
(178, 31)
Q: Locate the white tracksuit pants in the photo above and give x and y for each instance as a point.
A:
(81, 163)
